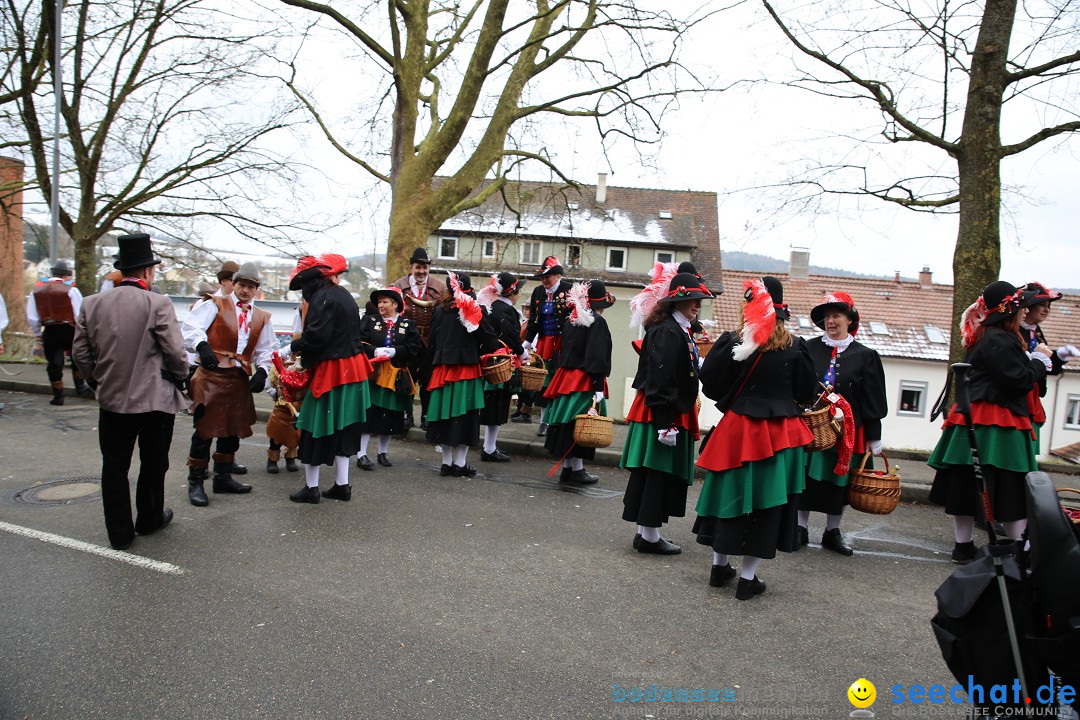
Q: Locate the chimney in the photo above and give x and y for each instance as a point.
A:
(925, 277)
(799, 267)
(601, 188)
(896, 278)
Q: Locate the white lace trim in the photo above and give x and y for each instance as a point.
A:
(840, 345)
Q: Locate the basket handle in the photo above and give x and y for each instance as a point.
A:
(862, 465)
(534, 356)
(1071, 490)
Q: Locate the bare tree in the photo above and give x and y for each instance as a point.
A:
(166, 118)
(942, 74)
(471, 90)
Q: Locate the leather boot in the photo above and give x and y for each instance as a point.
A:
(223, 480)
(197, 474)
(57, 393)
(272, 457)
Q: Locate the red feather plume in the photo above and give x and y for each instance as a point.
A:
(759, 319)
(469, 312)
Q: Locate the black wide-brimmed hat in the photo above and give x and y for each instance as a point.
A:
(419, 255)
(1035, 293)
(599, 297)
(464, 281)
(1002, 301)
(685, 286)
(510, 283)
(135, 252)
(391, 291)
(841, 302)
(551, 266)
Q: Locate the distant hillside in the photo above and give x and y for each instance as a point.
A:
(738, 260)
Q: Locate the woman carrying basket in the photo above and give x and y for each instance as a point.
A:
(460, 333)
(581, 380)
(1037, 302)
(854, 372)
(755, 457)
(499, 298)
(393, 341)
(663, 424)
(1003, 372)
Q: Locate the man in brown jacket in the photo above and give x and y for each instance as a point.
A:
(128, 345)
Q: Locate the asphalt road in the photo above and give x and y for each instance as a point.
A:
(500, 596)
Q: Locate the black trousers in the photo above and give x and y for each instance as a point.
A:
(201, 448)
(55, 341)
(117, 433)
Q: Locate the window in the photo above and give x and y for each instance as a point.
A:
(530, 252)
(935, 335)
(665, 256)
(912, 398)
(1072, 412)
(489, 248)
(879, 328)
(448, 247)
(665, 214)
(573, 255)
(572, 205)
(804, 323)
(616, 259)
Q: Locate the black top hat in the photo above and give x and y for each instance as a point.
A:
(836, 301)
(776, 292)
(551, 266)
(135, 252)
(599, 297)
(419, 255)
(510, 284)
(685, 286)
(390, 291)
(61, 269)
(1035, 293)
(1002, 300)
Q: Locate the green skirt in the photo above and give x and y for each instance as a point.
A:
(1005, 448)
(387, 399)
(562, 409)
(644, 450)
(819, 466)
(343, 406)
(756, 485)
(455, 399)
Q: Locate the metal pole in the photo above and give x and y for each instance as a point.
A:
(58, 88)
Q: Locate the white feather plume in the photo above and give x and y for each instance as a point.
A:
(578, 296)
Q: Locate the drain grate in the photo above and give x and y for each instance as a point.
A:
(66, 491)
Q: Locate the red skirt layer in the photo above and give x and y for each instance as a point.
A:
(548, 345)
(336, 372)
(738, 439)
(1035, 406)
(640, 413)
(567, 382)
(446, 374)
(988, 414)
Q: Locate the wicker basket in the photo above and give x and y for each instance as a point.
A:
(704, 346)
(874, 491)
(533, 373)
(593, 431)
(826, 430)
(498, 369)
(1071, 506)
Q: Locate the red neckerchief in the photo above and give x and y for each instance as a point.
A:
(243, 322)
(135, 281)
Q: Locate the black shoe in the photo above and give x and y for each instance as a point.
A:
(497, 456)
(196, 493)
(166, 518)
(290, 464)
(747, 589)
(834, 540)
(446, 470)
(227, 484)
(465, 470)
(122, 545)
(637, 540)
(409, 421)
(82, 389)
(517, 414)
(963, 553)
(363, 463)
(384, 460)
(542, 430)
(238, 469)
(660, 547)
(423, 423)
(306, 495)
(580, 477)
(565, 475)
(339, 492)
(59, 400)
(521, 418)
(804, 537)
(721, 575)
(272, 467)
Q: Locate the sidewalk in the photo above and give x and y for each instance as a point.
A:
(521, 439)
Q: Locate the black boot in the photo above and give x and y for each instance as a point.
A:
(834, 540)
(272, 468)
(223, 480)
(272, 457)
(721, 575)
(196, 476)
(57, 393)
(290, 464)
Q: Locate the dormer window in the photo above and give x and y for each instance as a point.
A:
(665, 214)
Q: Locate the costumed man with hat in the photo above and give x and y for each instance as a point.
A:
(128, 343)
(580, 383)
(393, 341)
(852, 371)
(663, 422)
(420, 292)
(51, 310)
(1037, 302)
(234, 341)
(225, 278)
(548, 310)
(1003, 372)
(499, 297)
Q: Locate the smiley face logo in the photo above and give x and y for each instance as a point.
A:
(862, 693)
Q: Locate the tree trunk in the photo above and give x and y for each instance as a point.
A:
(409, 227)
(977, 257)
(86, 264)
(11, 255)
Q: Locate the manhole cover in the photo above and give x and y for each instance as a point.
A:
(60, 492)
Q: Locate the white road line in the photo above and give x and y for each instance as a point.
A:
(136, 560)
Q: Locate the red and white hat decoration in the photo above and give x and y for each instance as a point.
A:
(759, 319)
(491, 292)
(642, 304)
(581, 315)
(469, 312)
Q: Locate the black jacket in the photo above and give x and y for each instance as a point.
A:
(452, 344)
(588, 349)
(405, 338)
(777, 385)
(860, 379)
(666, 372)
(1001, 372)
(506, 323)
(331, 327)
(539, 296)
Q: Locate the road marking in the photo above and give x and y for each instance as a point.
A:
(122, 556)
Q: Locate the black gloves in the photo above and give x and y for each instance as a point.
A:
(207, 358)
(258, 381)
